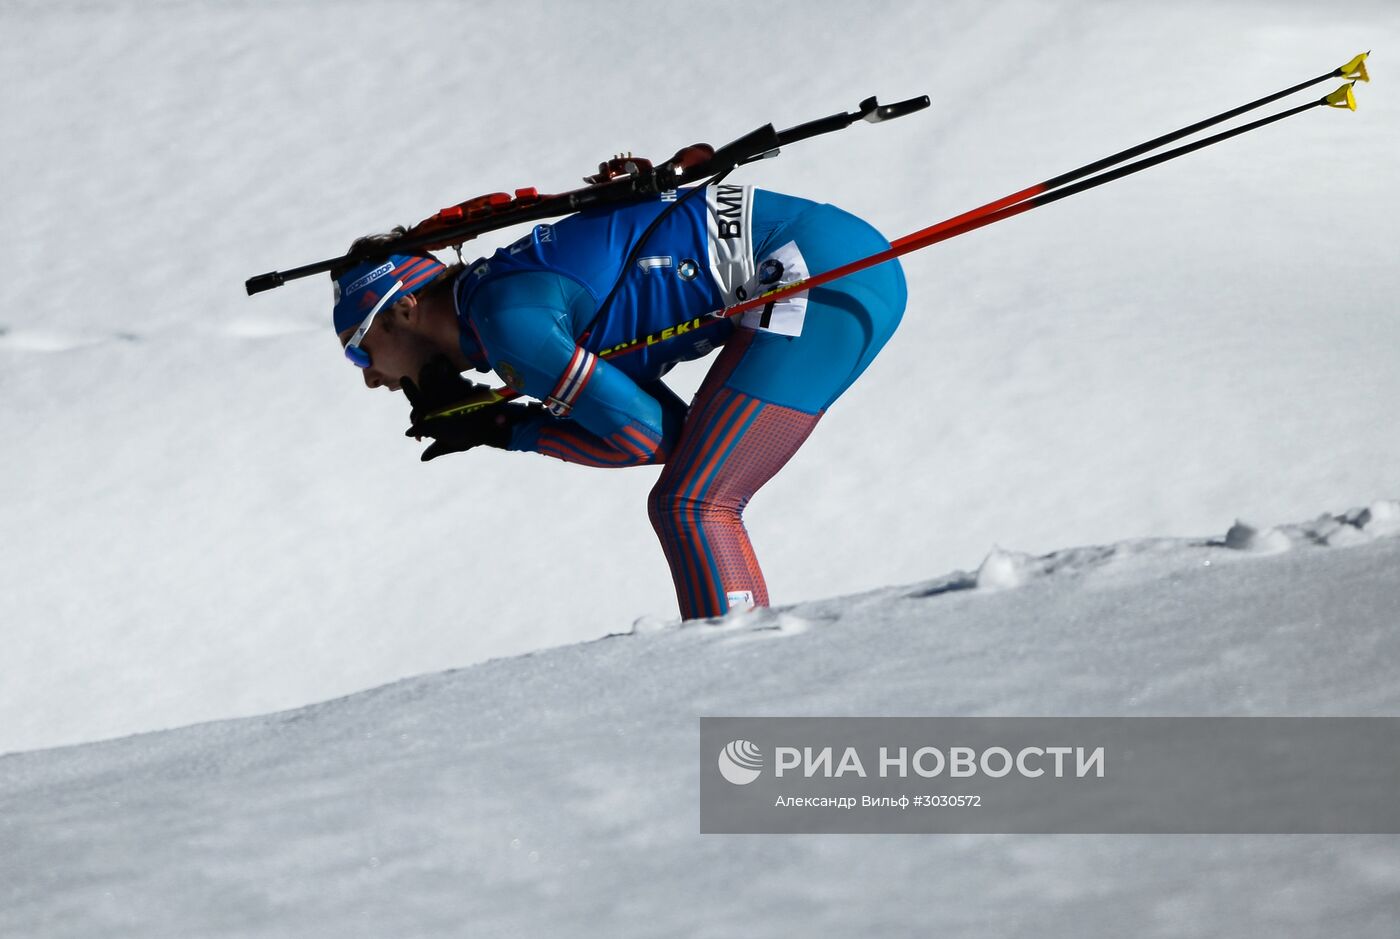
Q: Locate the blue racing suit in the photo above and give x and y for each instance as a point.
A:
(544, 311)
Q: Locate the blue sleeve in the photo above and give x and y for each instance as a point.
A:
(598, 415)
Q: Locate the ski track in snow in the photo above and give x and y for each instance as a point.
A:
(48, 340)
(1002, 569)
(253, 328)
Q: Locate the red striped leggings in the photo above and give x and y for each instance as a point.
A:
(758, 404)
(732, 443)
(737, 435)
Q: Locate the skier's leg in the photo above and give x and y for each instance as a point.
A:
(732, 444)
(758, 404)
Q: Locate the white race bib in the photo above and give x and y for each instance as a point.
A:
(783, 316)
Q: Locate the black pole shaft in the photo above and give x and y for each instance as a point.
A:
(1037, 190)
(1090, 168)
(1170, 155)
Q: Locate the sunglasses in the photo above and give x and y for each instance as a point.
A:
(353, 350)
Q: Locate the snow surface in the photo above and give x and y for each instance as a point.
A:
(204, 516)
(556, 793)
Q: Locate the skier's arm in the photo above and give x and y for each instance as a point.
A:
(601, 416)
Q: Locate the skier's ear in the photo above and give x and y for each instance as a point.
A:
(405, 311)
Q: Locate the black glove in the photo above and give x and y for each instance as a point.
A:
(489, 424)
(459, 414)
(440, 386)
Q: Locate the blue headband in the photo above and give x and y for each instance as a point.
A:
(365, 284)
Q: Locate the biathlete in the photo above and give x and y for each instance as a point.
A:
(587, 315)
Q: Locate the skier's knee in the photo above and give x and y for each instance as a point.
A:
(661, 504)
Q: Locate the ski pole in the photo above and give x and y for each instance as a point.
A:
(978, 218)
(1355, 69)
(1016, 203)
(971, 221)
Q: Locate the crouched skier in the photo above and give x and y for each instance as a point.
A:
(543, 312)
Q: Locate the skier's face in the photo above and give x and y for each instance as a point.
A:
(396, 349)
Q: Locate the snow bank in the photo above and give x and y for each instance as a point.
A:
(556, 793)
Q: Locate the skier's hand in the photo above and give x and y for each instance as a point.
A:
(489, 425)
(439, 386)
